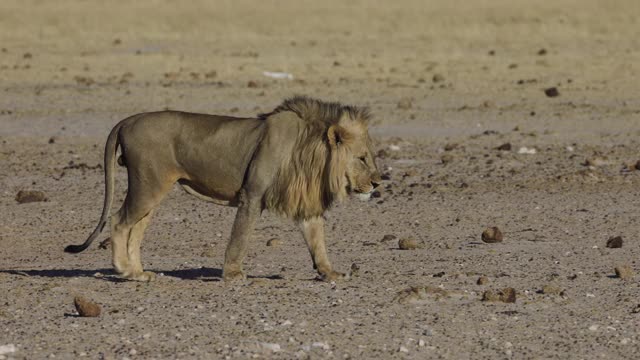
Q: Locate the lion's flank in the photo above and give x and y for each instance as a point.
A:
(313, 176)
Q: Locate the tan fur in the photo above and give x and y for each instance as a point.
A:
(296, 160)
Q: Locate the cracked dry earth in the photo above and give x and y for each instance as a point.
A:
(449, 83)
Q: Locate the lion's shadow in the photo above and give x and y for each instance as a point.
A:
(203, 274)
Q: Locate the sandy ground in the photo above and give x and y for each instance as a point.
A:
(448, 82)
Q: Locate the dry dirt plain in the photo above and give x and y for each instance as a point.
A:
(448, 81)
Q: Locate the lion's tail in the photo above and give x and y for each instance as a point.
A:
(109, 167)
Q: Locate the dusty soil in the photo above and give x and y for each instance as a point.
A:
(448, 81)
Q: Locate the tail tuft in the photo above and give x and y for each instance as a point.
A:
(74, 249)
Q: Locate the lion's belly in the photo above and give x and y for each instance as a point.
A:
(215, 161)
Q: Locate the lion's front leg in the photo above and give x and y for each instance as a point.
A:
(313, 232)
(248, 212)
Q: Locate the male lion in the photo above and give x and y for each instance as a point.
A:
(296, 160)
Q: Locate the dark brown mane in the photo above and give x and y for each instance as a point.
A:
(314, 110)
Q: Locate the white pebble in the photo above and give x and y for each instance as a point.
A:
(625, 341)
(7, 349)
(322, 345)
(394, 147)
(271, 346)
(403, 349)
(593, 327)
(526, 150)
(421, 343)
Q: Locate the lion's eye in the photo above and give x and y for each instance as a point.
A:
(363, 159)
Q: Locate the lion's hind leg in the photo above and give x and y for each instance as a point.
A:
(128, 225)
(133, 250)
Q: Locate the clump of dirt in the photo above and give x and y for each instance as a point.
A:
(492, 235)
(28, 196)
(86, 308)
(615, 242)
(506, 295)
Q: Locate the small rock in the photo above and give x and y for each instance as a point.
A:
(507, 295)
(408, 244)
(482, 280)
(274, 242)
(504, 147)
(388, 237)
(405, 104)
(636, 310)
(492, 235)
(85, 307)
(551, 290)
(624, 272)
(637, 165)
(526, 150)
(208, 252)
(446, 159)
(27, 196)
(52, 140)
(551, 92)
(596, 162)
(437, 78)
(615, 242)
(252, 84)
(271, 346)
(105, 244)
(355, 269)
(403, 349)
(451, 146)
(7, 349)
(27, 56)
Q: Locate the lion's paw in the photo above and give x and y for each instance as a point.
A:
(145, 276)
(333, 276)
(234, 275)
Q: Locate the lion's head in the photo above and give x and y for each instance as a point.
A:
(332, 158)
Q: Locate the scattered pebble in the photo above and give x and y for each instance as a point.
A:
(437, 78)
(7, 349)
(446, 158)
(274, 242)
(85, 307)
(482, 280)
(403, 349)
(492, 235)
(388, 237)
(504, 147)
(542, 52)
(405, 104)
(614, 242)
(551, 92)
(52, 140)
(624, 272)
(594, 327)
(551, 290)
(526, 150)
(104, 244)
(451, 146)
(596, 162)
(27, 196)
(506, 295)
(407, 244)
(270, 346)
(355, 269)
(637, 165)
(252, 84)
(417, 294)
(208, 252)
(636, 310)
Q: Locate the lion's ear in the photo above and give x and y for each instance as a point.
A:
(337, 135)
